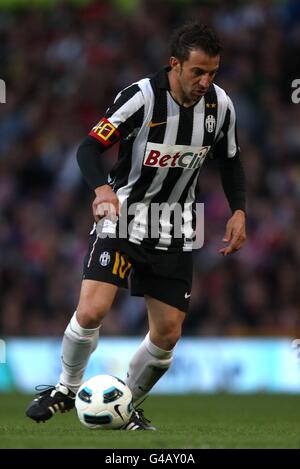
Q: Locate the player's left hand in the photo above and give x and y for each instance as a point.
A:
(235, 233)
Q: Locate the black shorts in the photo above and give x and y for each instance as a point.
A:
(162, 275)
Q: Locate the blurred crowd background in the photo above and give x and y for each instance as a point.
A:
(63, 66)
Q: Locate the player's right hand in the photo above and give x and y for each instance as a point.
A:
(235, 233)
(105, 204)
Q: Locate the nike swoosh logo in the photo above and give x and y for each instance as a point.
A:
(187, 295)
(154, 124)
(116, 407)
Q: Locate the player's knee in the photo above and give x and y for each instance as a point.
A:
(168, 335)
(171, 339)
(91, 315)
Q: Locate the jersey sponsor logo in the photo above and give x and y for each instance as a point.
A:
(106, 132)
(159, 155)
(210, 123)
(104, 258)
(155, 124)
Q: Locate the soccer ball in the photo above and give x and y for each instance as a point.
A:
(104, 402)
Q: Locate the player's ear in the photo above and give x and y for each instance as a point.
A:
(175, 64)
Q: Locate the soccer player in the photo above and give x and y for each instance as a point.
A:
(166, 125)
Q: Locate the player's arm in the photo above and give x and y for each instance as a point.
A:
(227, 154)
(89, 160)
(119, 121)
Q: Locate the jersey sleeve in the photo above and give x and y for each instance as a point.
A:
(232, 142)
(227, 154)
(121, 118)
(227, 142)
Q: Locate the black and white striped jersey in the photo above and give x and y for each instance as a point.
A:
(162, 148)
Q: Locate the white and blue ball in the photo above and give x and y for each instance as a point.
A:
(104, 402)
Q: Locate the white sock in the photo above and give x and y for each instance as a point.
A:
(77, 346)
(146, 367)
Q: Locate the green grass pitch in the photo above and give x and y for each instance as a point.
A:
(191, 421)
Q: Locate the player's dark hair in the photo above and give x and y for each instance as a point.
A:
(194, 35)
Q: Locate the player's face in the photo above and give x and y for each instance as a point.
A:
(196, 74)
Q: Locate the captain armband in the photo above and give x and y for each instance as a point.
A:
(105, 132)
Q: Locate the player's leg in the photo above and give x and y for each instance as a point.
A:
(79, 341)
(82, 333)
(154, 355)
(166, 286)
(105, 269)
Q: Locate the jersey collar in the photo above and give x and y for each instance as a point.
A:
(161, 78)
